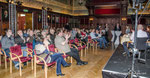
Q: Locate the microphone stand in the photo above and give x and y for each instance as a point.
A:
(132, 72)
(135, 44)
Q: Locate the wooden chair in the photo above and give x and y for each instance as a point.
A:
(75, 44)
(41, 61)
(81, 45)
(16, 54)
(30, 51)
(90, 41)
(3, 53)
(53, 49)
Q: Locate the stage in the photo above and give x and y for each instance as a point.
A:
(119, 64)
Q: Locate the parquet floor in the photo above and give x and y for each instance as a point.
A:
(96, 58)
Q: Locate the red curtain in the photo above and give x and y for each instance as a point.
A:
(107, 11)
(98, 1)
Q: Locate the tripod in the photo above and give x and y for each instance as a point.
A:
(137, 5)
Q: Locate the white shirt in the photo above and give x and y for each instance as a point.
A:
(140, 34)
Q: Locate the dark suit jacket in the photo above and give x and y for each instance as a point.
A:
(19, 41)
(117, 29)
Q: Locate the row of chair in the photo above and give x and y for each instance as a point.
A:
(17, 55)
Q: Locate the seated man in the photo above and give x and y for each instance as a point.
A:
(30, 38)
(62, 44)
(42, 51)
(20, 40)
(7, 42)
(97, 37)
(140, 34)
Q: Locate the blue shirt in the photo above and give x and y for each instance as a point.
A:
(92, 34)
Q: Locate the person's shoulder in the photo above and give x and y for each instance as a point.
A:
(4, 37)
(17, 36)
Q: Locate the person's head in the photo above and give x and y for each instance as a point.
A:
(47, 37)
(148, 28)
(140, 27)
(106, 25)
(19, 32)
(28, 31)
(24, 31)
(31, 33)
(79, 31)
(127, 27)
(52, 31)
(65, 31)
(117, 24)
(97, 31)
(93, 30)
(8, 32)
(43, 33)
(59, 32)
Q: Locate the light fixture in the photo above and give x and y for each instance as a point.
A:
(22, 15)
(80, 2)
(91, 18)
(124, 19)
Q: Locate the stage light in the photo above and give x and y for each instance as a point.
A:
(19, 3)
(124, 19)
(91, 19)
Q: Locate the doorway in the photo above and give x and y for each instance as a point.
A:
(25, 21)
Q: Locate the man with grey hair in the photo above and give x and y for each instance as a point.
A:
(140, 34)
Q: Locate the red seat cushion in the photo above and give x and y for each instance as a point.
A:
(51, 48)
(29, 45)
(84, 46)
(79, 48)
(48, 64)
(24, 59)
(71, 41)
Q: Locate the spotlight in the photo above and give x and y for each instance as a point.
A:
(43, 8)
(19, 3)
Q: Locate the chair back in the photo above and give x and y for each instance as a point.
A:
(141, 43)
(0, 45)
(29, 46)
(71, 41)
(35, 54)
(76, 40)
(83, 34)
(16, 50)
(51, 48)
(89, 37)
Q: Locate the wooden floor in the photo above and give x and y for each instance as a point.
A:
(96, 61)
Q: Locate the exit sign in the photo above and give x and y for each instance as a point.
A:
(25, 10)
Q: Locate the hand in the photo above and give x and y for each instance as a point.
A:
(28, 39)
(15, 44)
(67, 36)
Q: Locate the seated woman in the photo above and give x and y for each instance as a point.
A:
(42, 51)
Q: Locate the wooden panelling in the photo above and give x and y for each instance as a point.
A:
(0, 20)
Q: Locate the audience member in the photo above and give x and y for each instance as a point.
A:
(42, 51)
(62, 44)
(7, 42)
